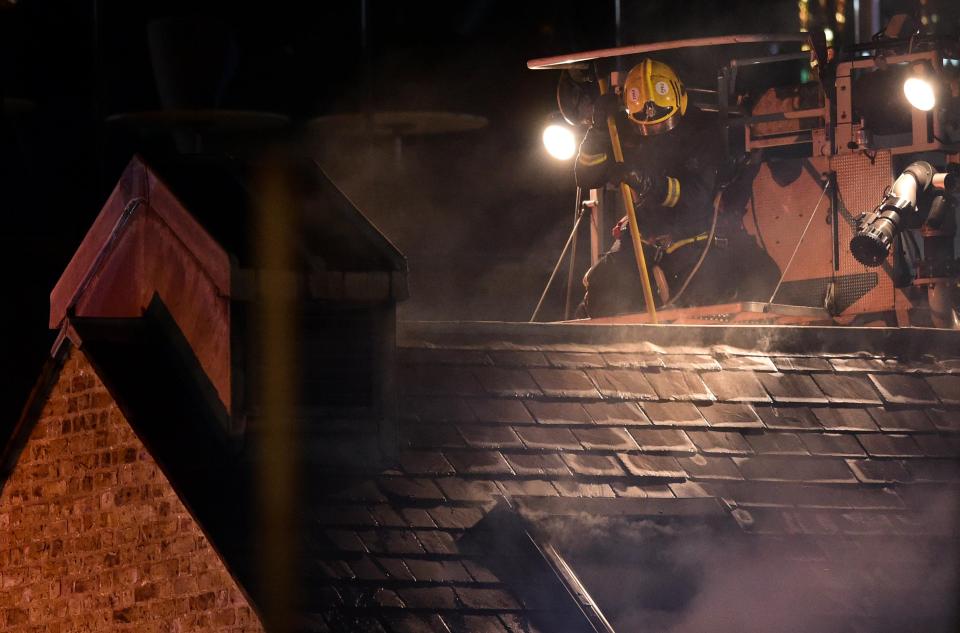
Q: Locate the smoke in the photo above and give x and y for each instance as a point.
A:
(686, 578)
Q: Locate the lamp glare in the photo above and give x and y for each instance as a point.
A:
(919, 92)
(559, 141)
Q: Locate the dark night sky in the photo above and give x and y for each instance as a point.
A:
(480, 215)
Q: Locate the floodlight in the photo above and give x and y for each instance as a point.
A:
(560, 141)
(919, 90)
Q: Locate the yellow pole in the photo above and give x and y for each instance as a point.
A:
(631, 215)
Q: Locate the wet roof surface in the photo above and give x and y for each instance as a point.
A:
(826, 451)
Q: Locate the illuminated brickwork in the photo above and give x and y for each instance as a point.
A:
(92, 535)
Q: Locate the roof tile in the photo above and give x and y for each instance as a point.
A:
(442, 571)
(606, 439)
(787, 418)
(570, 488)
(505, 411)
(663, 441)
(558, 412)
(874, 471)
(427, 356)
(428, 598)
(418, 518)
(947, 388)
(479, 572)
(846, 389)
(573, 360)
(660, 467)
(431, 436)
(935, 445)
(467, 490)
(385, 541)
(537, 465)
(903, 389)
(862, 364)
(564, 383)
(792, 388)
(887, 445)
(436, 380)
(783, 494)
(628, 490)
(346, 515)
(548, 438)
(437, 542)
(950, 365)
(751, 363)
(735, 416)
(672, 384)
(735, 386)
(410, 488)
(624, 384)
(674, 414)
(720, 442)
(689, 490)
(527, 488)
(442, 409)
(935, 470)
(945, 421)
(518, 358)
(692, 362)
(709, 468)
(810, 469)
(478, 462)
(620, 413)
(510, 383)
(593, 465)
(832, 444)
(484, 436)
(632, 359)
(777, 444)
(801, 363)
(497, 599)
(837, 419)
(425, 463)
(901, 420)
(365, 569)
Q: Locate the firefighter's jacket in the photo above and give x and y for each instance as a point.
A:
(678, 166)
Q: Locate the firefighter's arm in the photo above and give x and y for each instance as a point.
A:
(595, 159)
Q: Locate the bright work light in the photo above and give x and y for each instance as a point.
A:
(919, 92)
(560, 141)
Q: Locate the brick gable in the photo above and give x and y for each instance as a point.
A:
(92, 535)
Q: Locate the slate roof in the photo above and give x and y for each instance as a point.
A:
(834, 438)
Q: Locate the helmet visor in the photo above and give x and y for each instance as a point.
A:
(652, 112)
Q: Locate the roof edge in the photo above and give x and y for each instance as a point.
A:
(767, 339)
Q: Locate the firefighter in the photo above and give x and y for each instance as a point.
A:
(673, 158)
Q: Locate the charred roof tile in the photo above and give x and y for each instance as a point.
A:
(478, 462)
(846, 389)
(788, 418)
(735, 386)
(502, 410)
(564, 383)
(593, 465)
(618, 413)
(674, 414)
(810, 469)
(734, 416)
(901, 420)
(623, 384)
(656, 467)
(505, 382)
(410, 488)
(802, 363)
(612, 439)
(537, 465)
(548, 438)
(792, 388)
(947, 388)
(467, 490)
(832, 444)
(843, 419)
(702, 467)
(558, 412)
(777, 444)
(663, 441)
(673, 384)
(720, 442)
(903, 389)
(484, 436)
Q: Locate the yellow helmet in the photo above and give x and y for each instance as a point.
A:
(654, 96)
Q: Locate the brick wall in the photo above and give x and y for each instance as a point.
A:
(94, 538)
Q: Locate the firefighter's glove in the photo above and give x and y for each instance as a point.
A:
(640, 181)
(604, 106)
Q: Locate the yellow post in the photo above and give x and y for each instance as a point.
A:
(631, 215)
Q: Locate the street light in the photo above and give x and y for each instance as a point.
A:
(560, 141)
